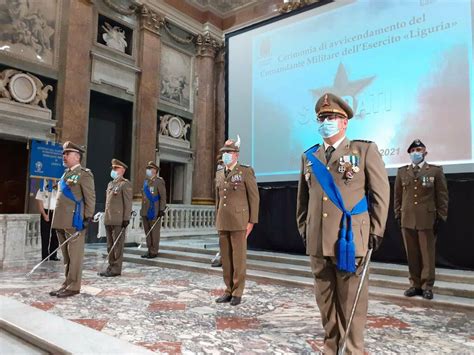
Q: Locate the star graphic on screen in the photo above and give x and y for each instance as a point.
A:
(343, 87)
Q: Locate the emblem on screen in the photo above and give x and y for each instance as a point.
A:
(349, 90)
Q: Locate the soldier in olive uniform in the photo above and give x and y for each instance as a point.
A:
(341, 175)
(237, 203)
(153, 207)
(74, 210)
(420, 204)
(118, 207)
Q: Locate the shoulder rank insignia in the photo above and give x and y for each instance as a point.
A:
(361, 140)
(316, 146)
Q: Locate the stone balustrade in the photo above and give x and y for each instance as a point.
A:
(179, 220)
(19, 233)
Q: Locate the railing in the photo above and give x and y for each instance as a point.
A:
(33, 233)
(179, 220)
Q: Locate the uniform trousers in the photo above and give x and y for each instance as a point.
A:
(420, 246)
(153, 239)
(233, 247)
(116, 256)
(73, 255)
(335, 294)
(49, 239)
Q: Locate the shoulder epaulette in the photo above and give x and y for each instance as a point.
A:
(86, 169)
(314, 146)
(361, 140)
(403, 167)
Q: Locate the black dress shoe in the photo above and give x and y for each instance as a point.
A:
(145, 256)
(55, 258)
(67, 293)
(107, 273)
(56, 292)
(235, 300)
(428, 294)
(224, 298)
(152, 256)
(413, 291)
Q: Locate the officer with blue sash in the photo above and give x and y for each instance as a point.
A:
(342, 206)
(74, 210)
(153, 207)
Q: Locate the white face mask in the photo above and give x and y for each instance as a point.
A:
(227, 158)
(329, 128)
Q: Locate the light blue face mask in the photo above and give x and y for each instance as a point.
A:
(114, 174)
(227, 158)
(328, 128)
(416, 157)
(149, 173)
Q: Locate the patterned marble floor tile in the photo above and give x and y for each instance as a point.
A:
(174, 311)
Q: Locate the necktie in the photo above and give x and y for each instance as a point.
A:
(329, 152)
(416, 170)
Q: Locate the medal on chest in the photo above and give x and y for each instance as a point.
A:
(72, 180)
(349, 166)
(237, 178)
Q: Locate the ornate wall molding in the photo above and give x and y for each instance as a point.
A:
(189, 39)
(150, 19)
(206, 45)
(120, 9)
(24, 88)
(174, 127)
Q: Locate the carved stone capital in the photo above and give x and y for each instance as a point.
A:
(206, 45)
(220, 56)
(150, 19)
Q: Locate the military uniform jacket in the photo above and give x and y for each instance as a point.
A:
(81, 182)
(319, 220)
(157, 187)
(419, 200)
(118, 203)
(237, 198)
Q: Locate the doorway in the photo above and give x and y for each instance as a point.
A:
(13, 177)
(173, 174)
(110, 136)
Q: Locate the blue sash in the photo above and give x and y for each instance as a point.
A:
(76, 219)
(345, 244)
(151, 213)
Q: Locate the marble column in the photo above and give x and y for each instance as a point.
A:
(146, 104)
(220, 101)
(204, 121)
(73, 94)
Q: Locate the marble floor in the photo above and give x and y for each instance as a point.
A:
(173, 311)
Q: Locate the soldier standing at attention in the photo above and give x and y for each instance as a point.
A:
(74, 210)
(341, 211)
(118, 207)
(153, 207)
(237, 203)
(420, 205)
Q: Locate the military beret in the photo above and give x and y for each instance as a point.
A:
(118, 163)
(152, 165)
(230, 146)
(415, 144)
(330, 103)
(71, 147)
